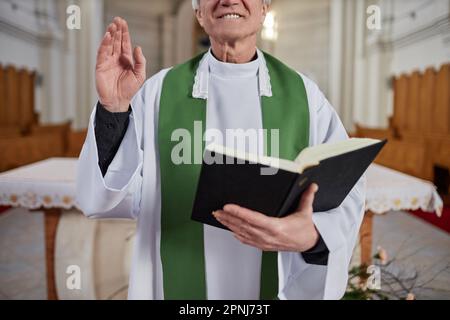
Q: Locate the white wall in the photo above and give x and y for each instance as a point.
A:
(163, 28)
(22, 38)
(146, 22)
(330, 42)
(65, 59)
(303, 37)
(422, 41)
(23, 54)
(415, 35)
(18, 52)
(433, 51)
(184, 28)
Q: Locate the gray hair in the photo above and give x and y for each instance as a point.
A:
(196, 3)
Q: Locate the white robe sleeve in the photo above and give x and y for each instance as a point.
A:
(339, 227)
(118, 193)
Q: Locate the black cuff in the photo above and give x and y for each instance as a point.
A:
(318, 254)
(110, 128)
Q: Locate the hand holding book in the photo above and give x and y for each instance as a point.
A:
(335, 168)
(295, 232)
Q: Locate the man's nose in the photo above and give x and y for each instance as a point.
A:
(229, 3)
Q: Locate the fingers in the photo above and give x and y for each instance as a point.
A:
(105, 48)
(122, 46)
(248, 241)
(117, 45)
(254, 218)
(262, 245)
(307, 199)
(139, 61)
(116, 28)
(228, 220)
(235, 224)
(243, 231)
(112, 28)
(126, 39)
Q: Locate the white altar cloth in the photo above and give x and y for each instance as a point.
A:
(45, 184)
(390, 190)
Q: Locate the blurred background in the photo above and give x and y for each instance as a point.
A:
(383, 64)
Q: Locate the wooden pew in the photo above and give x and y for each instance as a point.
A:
(419, 130)
(22, 139)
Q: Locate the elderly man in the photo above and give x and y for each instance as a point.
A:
(126, 168)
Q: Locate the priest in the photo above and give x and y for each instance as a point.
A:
(127, 167)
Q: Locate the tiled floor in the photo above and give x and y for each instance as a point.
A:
(22, 260)
(415, 244)
(416, 247)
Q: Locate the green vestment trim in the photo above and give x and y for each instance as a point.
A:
(182, 249)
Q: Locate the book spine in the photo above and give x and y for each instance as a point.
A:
(291, 202)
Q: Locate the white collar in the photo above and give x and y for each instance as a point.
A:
(200, 88)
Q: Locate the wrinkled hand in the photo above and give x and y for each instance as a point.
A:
(295, 233)
(119, 72)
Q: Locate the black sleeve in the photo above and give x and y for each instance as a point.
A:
(318, 254)
(110, 128)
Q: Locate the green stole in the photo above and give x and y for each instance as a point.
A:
(182, 251)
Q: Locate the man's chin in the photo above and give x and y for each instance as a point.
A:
(231, 36)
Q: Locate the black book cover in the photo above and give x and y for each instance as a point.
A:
(278, 195)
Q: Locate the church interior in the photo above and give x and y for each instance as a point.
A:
(384, 65)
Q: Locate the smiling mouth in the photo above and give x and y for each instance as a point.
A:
(231, 16)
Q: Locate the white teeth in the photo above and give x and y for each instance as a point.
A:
(231, 16)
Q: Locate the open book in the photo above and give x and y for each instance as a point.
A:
(274, 186)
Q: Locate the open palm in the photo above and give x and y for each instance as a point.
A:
(120, 71)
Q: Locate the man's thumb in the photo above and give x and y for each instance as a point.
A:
(139, 61)
(307, 199)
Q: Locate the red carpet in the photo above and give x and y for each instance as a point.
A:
(3, 209)
(442, 222)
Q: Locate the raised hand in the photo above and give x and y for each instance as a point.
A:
(120, 71)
